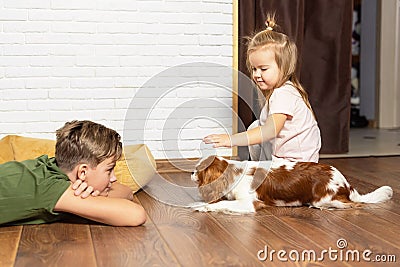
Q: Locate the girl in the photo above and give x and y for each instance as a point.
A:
(287, 121)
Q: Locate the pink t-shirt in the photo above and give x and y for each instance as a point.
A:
(299, 139)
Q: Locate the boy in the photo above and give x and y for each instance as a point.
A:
(39, 190)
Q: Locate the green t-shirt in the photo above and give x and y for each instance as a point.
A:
(30, 189)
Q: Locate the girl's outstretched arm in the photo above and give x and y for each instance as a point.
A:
(258, 135)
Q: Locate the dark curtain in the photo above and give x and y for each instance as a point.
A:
(322, 31)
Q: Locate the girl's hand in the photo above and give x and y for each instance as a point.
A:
(82, 189)
(218, 140)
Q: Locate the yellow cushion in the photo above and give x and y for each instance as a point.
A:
(135, 168)
(6, 152)
(28, 148)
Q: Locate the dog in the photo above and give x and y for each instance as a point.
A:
(247, 186)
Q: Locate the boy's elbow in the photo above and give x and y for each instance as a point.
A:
(133, 215)
(139, 217)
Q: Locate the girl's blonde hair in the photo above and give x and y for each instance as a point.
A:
(285, 51)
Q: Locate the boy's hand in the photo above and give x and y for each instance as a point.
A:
(218, 140)
(82, 189)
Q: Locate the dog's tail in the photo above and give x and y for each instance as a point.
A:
(381, 194)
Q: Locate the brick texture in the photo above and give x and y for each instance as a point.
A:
(85, 59)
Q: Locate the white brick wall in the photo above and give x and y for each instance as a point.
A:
(86, 59)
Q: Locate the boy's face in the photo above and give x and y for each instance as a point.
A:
(102, 176)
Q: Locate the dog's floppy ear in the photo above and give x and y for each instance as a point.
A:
(214, 180)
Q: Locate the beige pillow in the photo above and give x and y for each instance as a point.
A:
(136, 167)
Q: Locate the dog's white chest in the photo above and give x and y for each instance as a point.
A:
(242, 188)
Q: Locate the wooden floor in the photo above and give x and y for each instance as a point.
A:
(178, 236)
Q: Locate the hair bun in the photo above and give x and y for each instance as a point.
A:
(270, 22)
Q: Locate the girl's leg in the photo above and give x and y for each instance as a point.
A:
(259, 152)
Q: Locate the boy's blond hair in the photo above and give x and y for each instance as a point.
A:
(86, 142)
(285, 51)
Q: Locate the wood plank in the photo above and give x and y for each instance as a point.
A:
(163, 189)
(369, 218)
(176, 165)
(263, 233)
(131, 246)
(179, 178)
(56, 244)
(388, 211)
(371, 165)
(365, 218)
(380, 220)
(367, 174)
(325, 228)
(196, 238)
(9, 242)
(377, 170)
(187, 186)
(292, 217)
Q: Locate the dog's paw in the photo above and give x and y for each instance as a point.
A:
(387, 191)
(198, 206)
(202, 209)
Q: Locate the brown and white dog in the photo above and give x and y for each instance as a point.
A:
(247, 186)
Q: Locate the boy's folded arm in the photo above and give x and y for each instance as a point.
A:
(107, 210)
(120, 191)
